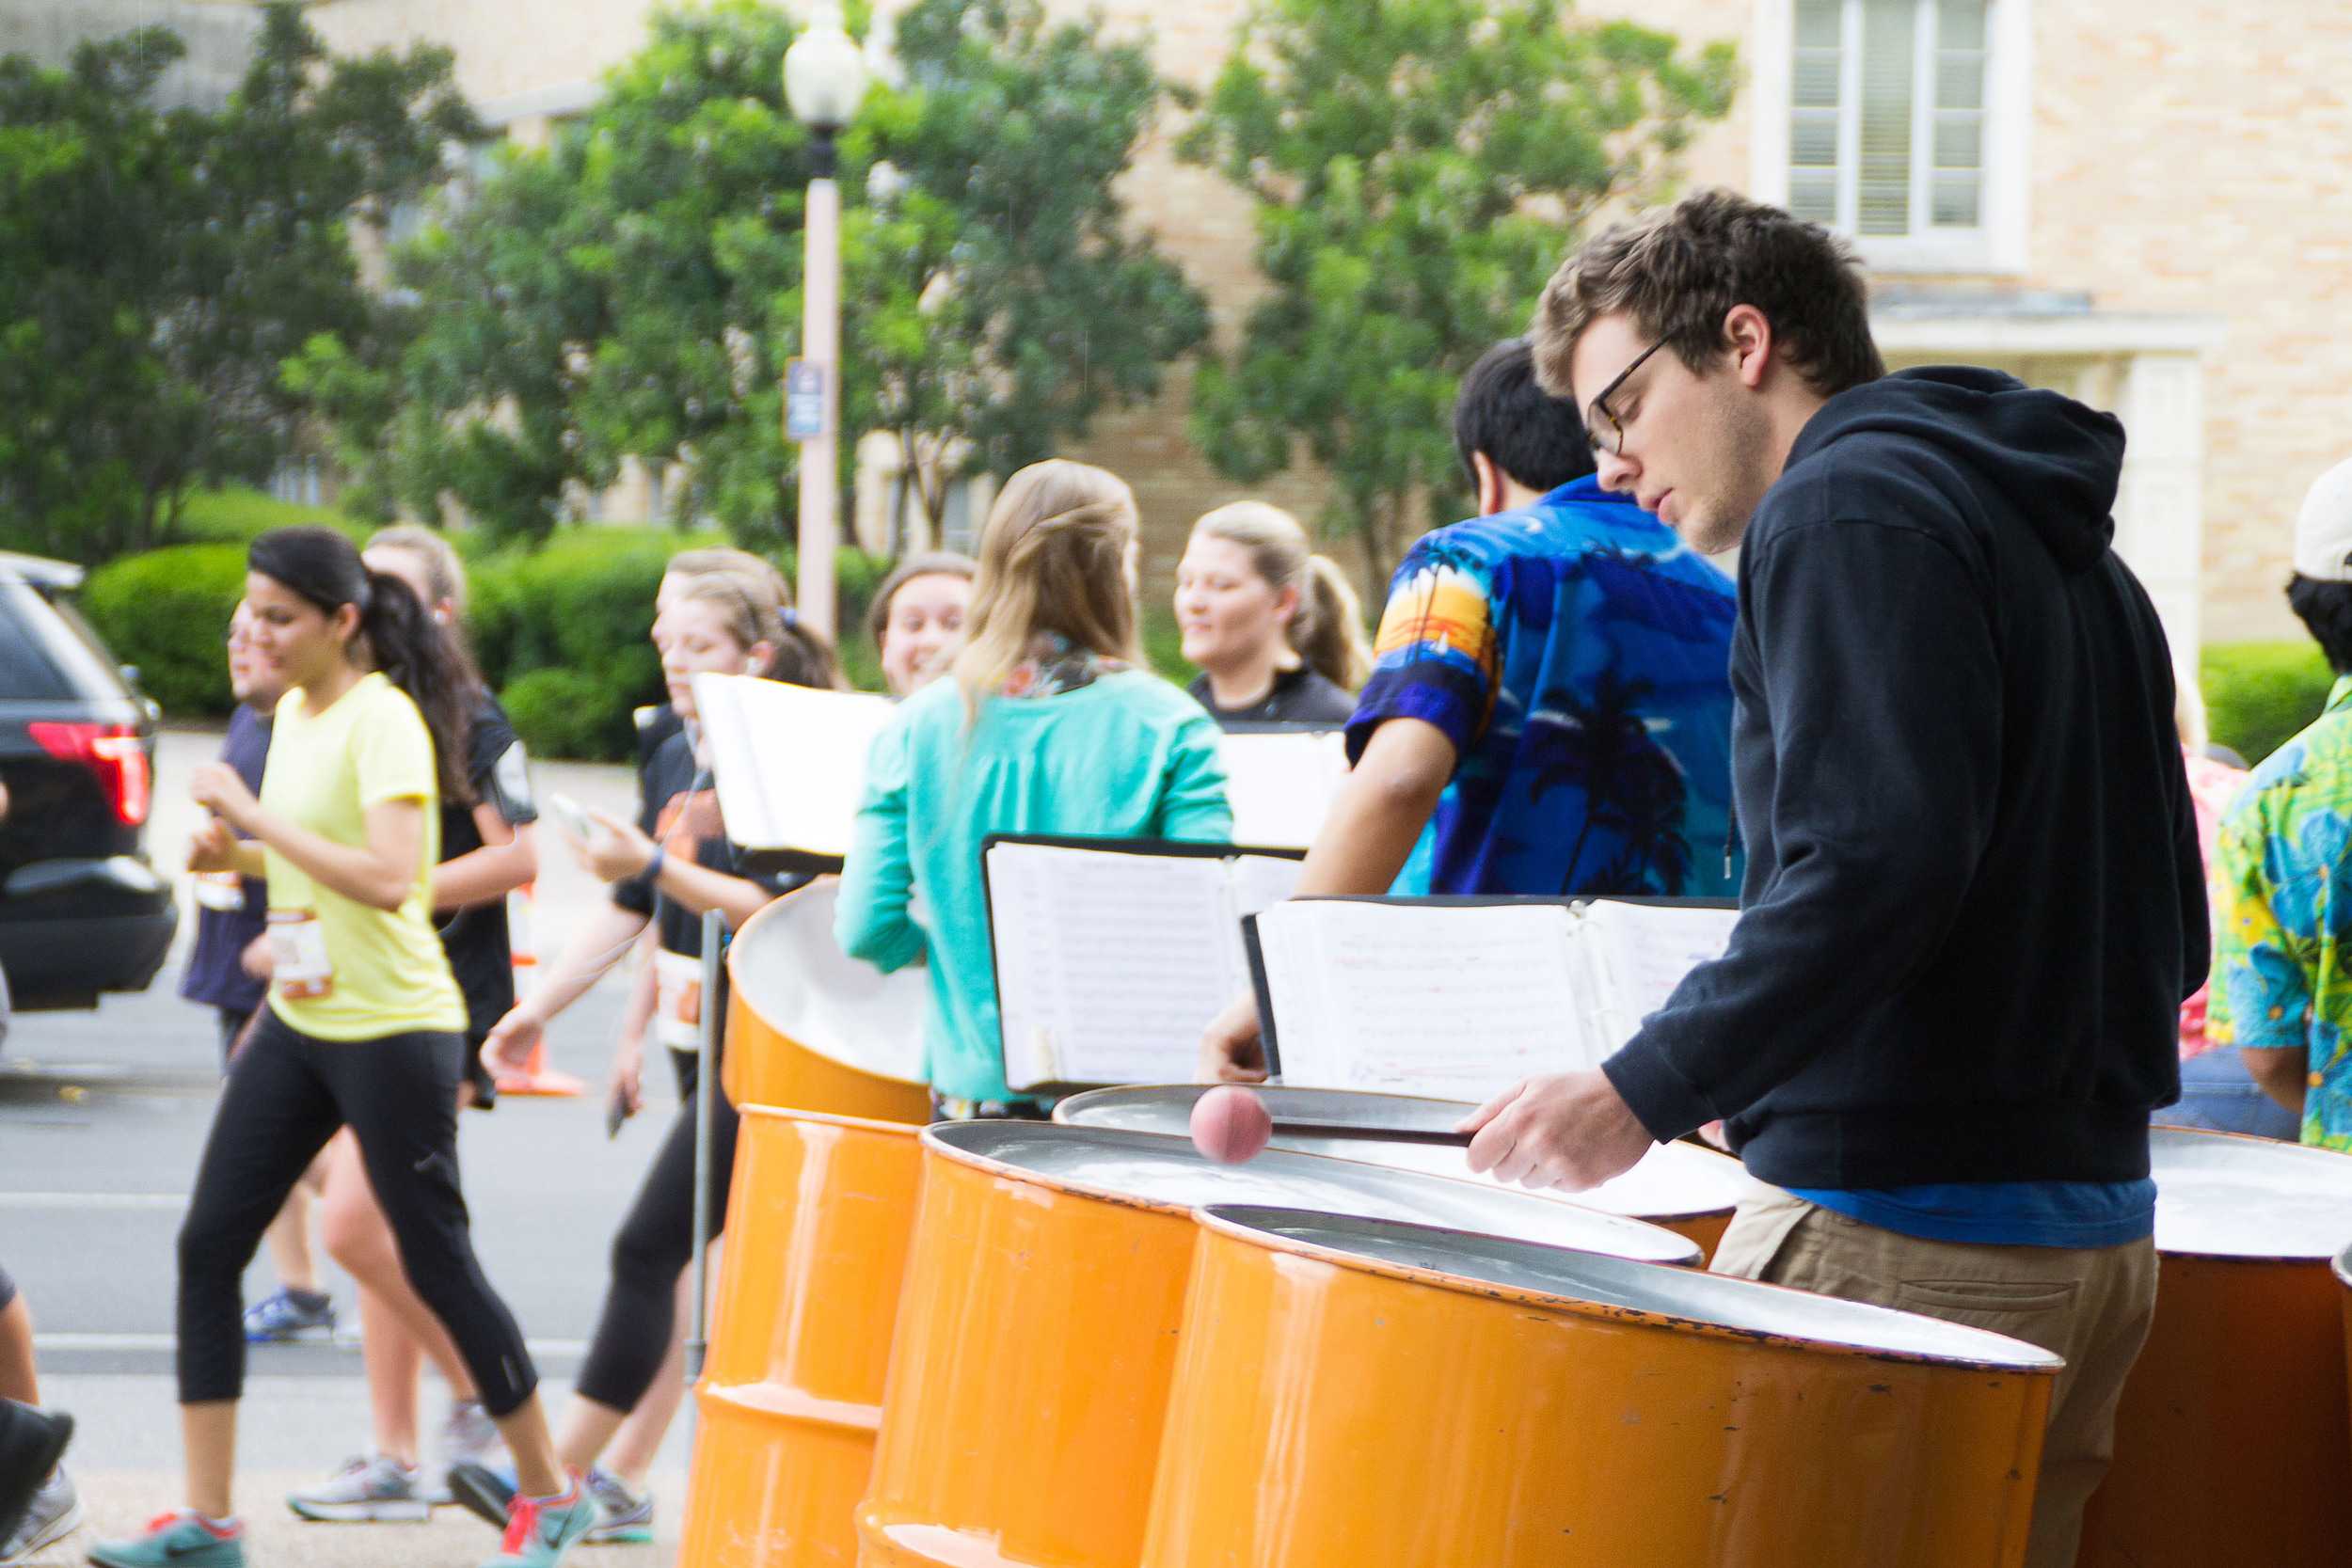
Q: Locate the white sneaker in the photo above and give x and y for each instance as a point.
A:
(56, 1514)
(364, 1491)
(468, 1436)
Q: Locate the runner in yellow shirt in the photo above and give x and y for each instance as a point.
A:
(363, 1026)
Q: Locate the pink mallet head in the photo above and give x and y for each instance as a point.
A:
(1230, 1125)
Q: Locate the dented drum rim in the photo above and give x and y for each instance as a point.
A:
(1058, 1157)
(1596, 1285)
(1647, 1191)
(2231, 1198)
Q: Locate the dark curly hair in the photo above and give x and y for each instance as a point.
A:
(2326, 610)
(1679, 272)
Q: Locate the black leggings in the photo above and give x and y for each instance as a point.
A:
(286, 1095)
(654, 1245)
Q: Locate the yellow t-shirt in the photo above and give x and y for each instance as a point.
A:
(326, 769)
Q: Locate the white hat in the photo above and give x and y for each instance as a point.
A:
(2323, 531)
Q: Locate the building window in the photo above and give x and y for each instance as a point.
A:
(1900, 122)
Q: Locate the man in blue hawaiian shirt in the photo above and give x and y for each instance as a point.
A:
(1551, 708)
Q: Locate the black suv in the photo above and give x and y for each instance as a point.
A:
(81, 910)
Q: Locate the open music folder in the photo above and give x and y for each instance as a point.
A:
(1460, 998)
(789, 765)
(1113, 955)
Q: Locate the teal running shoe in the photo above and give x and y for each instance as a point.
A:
(174, 1541)
(539, 1533)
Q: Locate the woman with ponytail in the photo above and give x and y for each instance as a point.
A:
(1052, 724)
(1275, 629)
(675, 863)
(364, 1025)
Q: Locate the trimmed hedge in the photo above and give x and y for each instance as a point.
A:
(166, 612)
(2260, 694)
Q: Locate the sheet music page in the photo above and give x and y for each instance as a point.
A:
(1260, 882)
(1108, 964)
(1458, 1002)
(1280, 785)
(1641, 951)
(789, 760)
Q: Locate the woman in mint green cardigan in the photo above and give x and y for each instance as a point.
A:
(1051, 725)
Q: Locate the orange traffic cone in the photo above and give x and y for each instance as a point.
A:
(536, 1077)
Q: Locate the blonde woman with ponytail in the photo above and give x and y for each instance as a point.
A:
(1050, 725)
(1275, 629)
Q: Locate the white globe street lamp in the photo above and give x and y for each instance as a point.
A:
(824, 82)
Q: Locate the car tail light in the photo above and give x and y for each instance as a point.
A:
(113, 751)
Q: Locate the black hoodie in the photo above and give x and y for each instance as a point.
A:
(1974, 900)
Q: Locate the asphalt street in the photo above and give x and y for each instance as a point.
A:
(102, 1117)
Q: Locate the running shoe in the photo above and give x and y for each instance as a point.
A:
(487, 1491)
(32, 1440)
(175, 1541)
(56, 1514)
(468, 1436)
(539, 1533)
(622, 1518)
(372, 1490)
(277, 1318)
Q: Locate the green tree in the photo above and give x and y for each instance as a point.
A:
(634, 290)
(1420, 167)
(162, 265)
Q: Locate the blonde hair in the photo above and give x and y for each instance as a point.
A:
(1327, 629)
(1053, 559)
(752, 612)
(727, 558)
(444, 573)
(2189, 712)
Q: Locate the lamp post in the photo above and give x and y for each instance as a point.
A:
(824, 80)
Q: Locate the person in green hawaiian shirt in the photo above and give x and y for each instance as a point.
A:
(2282, 869)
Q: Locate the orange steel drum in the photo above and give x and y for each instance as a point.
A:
(811, 1028)
(1044, 1292)
(2232, 1445)
(1356, 1393)
(808, 1288)
(1685, 1189)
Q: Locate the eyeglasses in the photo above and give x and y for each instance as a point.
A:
(1613, 442)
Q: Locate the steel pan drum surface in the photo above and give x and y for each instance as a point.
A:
(811, 1028)
(1044, 1293)
(1688, 1190)
(818, 1220)
(2233, 1443)
(1364, 1394)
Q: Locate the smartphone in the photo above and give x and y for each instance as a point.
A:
(615, 1112)
(572, 815)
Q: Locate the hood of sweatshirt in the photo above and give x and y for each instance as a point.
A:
(2054, 462)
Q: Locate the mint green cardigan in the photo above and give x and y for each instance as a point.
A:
(1127, 756)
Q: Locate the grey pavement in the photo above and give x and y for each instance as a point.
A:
(102, 1117)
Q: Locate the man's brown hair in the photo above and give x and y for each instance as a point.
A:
(1679, 272)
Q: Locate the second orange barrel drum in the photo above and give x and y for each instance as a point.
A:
(1364, 1394)
(1038, 1327)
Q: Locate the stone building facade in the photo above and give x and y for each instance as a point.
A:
(2149, 207)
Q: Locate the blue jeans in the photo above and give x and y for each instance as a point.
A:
(2218, 1095)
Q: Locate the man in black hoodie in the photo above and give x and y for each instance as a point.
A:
(1972, 900)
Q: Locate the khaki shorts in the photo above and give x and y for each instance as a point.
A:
(2090, 1306)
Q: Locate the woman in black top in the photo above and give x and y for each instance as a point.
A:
(1275, 629)
(668, 868)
